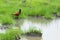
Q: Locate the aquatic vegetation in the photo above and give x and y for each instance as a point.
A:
(33, 32)
(12, 33)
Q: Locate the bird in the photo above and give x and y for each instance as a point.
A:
(17, 14)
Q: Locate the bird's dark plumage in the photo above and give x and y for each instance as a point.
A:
(18, 13)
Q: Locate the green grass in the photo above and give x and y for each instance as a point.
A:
(10, 34)
(32, 30)
(33, 7)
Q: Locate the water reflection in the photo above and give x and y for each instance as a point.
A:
(36, 23)
(2, 31)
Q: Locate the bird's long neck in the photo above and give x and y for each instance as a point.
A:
(19, 11)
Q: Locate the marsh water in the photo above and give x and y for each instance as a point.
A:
(50, 29)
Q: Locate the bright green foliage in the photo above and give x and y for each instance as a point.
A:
(32, 7)
(10, 34)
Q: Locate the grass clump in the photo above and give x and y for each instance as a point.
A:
(33, 32)
(10, 34)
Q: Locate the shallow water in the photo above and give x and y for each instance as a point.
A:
(50, 29)
(2, 31)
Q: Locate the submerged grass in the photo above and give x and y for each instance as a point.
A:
(32, 30)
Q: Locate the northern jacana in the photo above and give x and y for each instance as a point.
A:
(17, 14)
